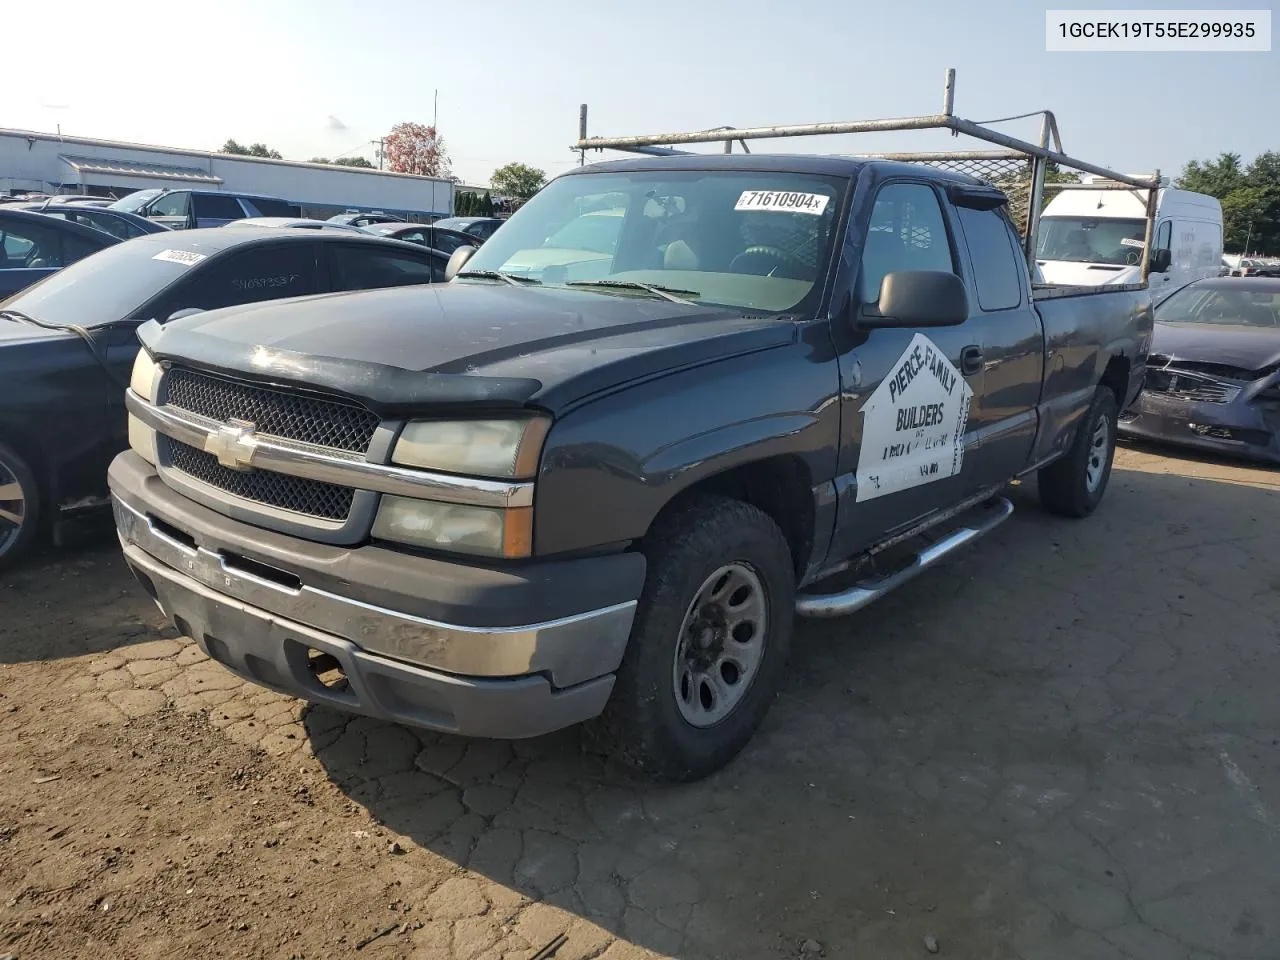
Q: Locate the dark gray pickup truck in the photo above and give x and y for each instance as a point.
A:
(672, 402)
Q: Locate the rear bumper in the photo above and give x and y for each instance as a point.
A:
(258, 602)
(1236, 429)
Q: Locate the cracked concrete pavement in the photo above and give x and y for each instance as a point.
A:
(1062, 744)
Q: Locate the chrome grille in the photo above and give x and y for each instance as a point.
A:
(297, 494)
(325, 422)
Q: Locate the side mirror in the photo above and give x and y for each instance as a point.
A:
(918, 298)
(457, 261)
(1161, 260)
(184, 312)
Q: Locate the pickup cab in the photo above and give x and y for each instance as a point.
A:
(597, 481)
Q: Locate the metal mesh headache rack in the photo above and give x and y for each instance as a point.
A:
(1021, 169)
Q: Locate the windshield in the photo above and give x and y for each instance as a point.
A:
(1083, 240)
(108, 286)
(1249, 308)
(760, 241)
(134, 201)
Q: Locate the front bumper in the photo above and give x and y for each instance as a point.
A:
(1236, 429)
(518, 656)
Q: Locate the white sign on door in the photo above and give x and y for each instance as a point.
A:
(913, 424)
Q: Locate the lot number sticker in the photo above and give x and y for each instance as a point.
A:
(782, 201)
(913, 424)
(184, 257)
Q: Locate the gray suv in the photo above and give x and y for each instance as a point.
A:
(190, 209)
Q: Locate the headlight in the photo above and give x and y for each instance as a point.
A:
(146, 377)
(142, 440)
(143, 382)
(507, 449)
(455, 527)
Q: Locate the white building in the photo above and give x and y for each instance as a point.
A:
(50, 163)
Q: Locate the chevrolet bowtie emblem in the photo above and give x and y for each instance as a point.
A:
(233, 444)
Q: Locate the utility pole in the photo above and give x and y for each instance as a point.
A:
(1248, 237)
(435, 114)
(382, 149)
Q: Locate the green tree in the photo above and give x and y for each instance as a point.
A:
(1250, 198)
(252, 150)
(517, 180)
(486, 205)
(353, 162)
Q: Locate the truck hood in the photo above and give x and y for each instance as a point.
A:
(412, 348)
(1246, 347)
(1072, 274)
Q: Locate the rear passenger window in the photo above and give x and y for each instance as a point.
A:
(906, 232)
(995, 264)
(212, 206)
(369, 268)
(259, 273)
(274, 208)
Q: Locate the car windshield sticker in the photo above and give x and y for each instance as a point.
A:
(913, 424)
(782, 201)
(184, 257)
(1128, 242)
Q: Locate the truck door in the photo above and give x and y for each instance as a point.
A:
(1006, 326)
(906, 394)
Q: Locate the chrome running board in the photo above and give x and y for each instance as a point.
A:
(860, 594)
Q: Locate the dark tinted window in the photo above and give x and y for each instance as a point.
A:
(275, 208)
(995, 267)
(77, 248)
(248, 276)
(215, 206)
(482, 229)
(367, 267)
(414, 236)
(447, 241)
(906, 232)
(29, 245)
(105, 222)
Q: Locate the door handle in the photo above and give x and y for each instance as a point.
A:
(971, 361)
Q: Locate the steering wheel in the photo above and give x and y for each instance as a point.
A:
(766, 261)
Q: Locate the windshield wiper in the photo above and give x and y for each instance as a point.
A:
(510, 278)
(666, 293)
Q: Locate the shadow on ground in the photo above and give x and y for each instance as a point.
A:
(75, 599)
(1060, 744)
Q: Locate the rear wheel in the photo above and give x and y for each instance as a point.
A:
(19, 506)
(1073, 485)
(710, 641)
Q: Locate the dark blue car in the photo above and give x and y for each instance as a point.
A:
(33, 245)
(118, 223)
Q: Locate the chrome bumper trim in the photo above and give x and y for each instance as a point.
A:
(570, 650)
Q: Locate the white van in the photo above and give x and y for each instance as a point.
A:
(1091, 237)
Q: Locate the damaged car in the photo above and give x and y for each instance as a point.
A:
(1213, 377)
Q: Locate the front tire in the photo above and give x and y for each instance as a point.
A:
(709, 644)
(20, 505)
(1073, 485)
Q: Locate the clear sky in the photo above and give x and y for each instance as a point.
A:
(324, 77)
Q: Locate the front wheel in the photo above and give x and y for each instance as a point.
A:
(19, 506)
(1073, 485)
(710, 641)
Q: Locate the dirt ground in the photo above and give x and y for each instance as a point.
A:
(1062, 744)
